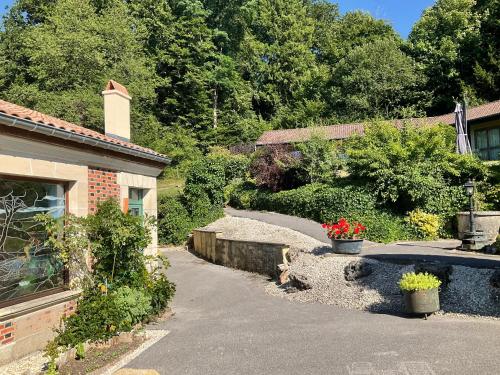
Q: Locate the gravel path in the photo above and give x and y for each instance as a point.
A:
(467, 294)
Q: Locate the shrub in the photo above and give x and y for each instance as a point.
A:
(134, 306)
(319, 159)
(324, 203)
(427, 226)
(235, 165)
(123, 289)
(277, 168)
(411, 282)
(117, 242)
(205, 181)
(174, 222)
(413, 167)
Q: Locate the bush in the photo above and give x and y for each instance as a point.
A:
(125, 286)
(319, 159)
(277, 168)
(117, 241)
(411, 282)
(174, 221)
(427, 226)
(413, 167)
(324, 203)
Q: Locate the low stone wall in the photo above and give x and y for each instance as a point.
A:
(261, 257)
(487, 221)
(28, 326)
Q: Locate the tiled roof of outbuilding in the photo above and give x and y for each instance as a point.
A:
(342, 131)
(18, 111)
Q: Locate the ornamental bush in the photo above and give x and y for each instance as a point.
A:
(411, 282)
(174, 221)
(427, 226)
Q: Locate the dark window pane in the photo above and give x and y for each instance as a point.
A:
(27, 266)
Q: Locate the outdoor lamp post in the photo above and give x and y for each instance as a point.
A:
(469, 191)
(472, 239)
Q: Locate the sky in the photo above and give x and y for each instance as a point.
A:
(402, 14)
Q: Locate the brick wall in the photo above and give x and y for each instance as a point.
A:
(7, 331)
(102, 185)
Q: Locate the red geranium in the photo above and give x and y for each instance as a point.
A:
(343, 230)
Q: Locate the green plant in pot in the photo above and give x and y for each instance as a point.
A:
(420, 292)
(347, 238)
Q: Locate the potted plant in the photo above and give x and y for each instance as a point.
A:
(347, 238)
(420, 292)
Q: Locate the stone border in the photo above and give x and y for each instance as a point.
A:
(152, 337)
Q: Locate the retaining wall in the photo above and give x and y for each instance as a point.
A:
(253, 256)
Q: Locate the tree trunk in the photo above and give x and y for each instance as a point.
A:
(215, 99)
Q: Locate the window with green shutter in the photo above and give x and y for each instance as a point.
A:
(135, 202)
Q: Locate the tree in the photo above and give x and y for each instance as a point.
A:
(59, 59)
(277, 59)
(377, 80)
(319, 158)
(444, 41)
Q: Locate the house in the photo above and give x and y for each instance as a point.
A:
(483, 121)
(51, 166)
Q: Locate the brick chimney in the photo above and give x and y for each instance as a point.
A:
(116, 111)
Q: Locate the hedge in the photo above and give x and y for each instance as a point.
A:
(324, 203)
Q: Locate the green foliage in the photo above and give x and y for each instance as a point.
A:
(319, 159)
(174, 221)
(454, 42)
(134, 305)
(67, 237)
(203, 199)
(117, 241)
(378, 80)
(125, 286)
(80, 351)
(426, 225)
(413, 167)
(411, 282)
(324, 203)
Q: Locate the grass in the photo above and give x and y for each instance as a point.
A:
(170, 186)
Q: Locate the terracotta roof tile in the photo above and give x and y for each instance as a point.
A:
(35, 116)
(342, 131)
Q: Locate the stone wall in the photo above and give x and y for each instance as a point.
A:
(486, 221)
(252, 256)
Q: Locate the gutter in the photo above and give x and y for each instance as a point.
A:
(52, 131)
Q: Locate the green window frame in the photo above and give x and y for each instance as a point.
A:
(487, 143)
(136, 201)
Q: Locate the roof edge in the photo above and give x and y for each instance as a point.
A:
(41, 128)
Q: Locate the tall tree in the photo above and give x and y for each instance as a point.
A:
(59, 58)
(444, 40)
(277, 59)
(377, 80)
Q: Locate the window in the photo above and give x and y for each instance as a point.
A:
(27, 266)
(487, 143)
(135, 205)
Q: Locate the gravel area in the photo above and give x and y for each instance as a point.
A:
(468, 293)
(254, 230)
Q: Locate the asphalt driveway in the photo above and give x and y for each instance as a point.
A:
(225, 323)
